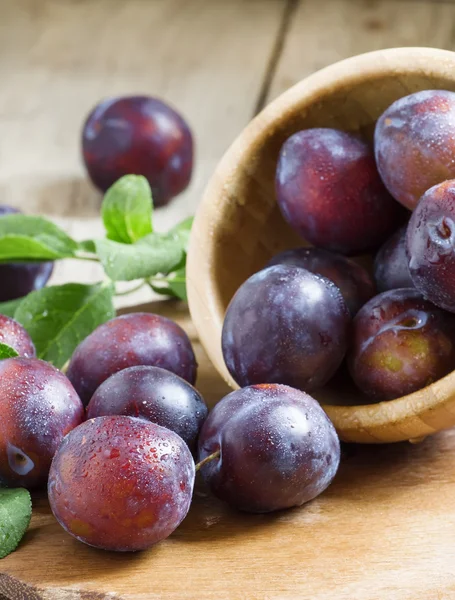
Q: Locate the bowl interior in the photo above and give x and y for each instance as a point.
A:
(253, 228)
(239, 226)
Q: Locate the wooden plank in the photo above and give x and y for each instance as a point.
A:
(318, 37)
(384, 530)
(57, 59)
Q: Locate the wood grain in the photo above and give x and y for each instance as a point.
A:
(59, 58)
(385, 529)
(317, 38)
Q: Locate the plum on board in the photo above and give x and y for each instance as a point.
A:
(13, 334)
(415, 144)
(401, 343)
(285, 325)
(355, 283)
(277, 448)
(121, 483)
(329, 190)
(430, 244)
(391, 265)
(138, 135)
(128, 341)
(155, 395)
(38, 407)
(19, 279)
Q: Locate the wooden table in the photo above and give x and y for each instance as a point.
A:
(386, 528)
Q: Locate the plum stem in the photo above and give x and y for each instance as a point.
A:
(207, 459)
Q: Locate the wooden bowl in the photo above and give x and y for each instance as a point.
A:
(239, 227)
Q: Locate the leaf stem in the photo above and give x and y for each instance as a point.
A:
(131, 290)
(166, 280)
(207, 459)
(90, 258)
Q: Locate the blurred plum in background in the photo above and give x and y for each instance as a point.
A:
(138, 135)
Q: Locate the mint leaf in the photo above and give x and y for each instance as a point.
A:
(182, 231)
(7, 352)
(23, 237)
(15, 515)
(155, 253)
(127, 209)
(59, 317)
(9, 308)
(173, 285)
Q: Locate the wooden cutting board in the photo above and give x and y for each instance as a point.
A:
(385, 530)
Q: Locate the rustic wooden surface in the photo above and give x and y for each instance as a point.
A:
(386, 528)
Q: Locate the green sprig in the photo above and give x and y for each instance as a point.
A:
(59, 317)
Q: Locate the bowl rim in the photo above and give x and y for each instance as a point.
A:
(409, 416)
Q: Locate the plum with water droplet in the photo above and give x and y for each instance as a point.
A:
(142, 136)
(285, 325)
(430, 241)
(277, 448)
(38, 407)
(355, 283)
(329, 190)
(415, 144)
(14, 335)
(401, 343)
(128, 341)
(121, 483)
(155, 395)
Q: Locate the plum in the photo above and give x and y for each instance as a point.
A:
(121, 483)
(38, 407)
(153, 394)
(391, 265)
(13, 334)
(401, 343)
(277, 448)
(142, 136)
(356, 285)
(330, 192)
(415, 144)
(128, 341)
(430, 243)
(285, 325)
(19, 279)
(5, 209)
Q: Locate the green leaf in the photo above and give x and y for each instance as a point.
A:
(127, 209)
(9, 308)
(183, 230)
(177, 284)
(23, 237)
(15, 515)
(59, 317)
(163, 290)
(173, 285)
(87, 246)
(7, 352)
(155, 253)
